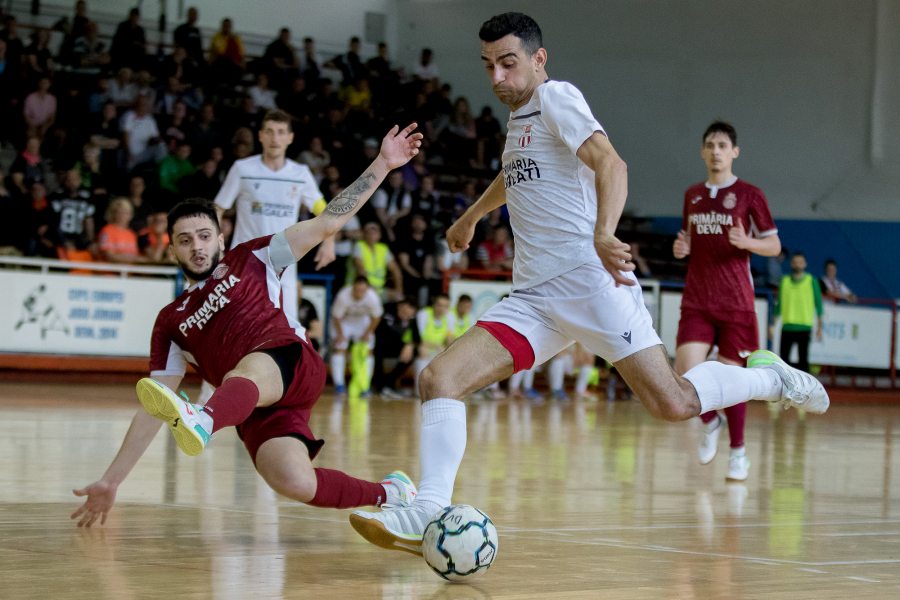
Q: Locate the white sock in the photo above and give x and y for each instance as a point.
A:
(720, 386)
(495, 385)
(528, 380)
(370, 366)
(516, 380)
(441, 448)
(557, 373)
(338, 365)
(418, 367)
(742, 451)
(582, 382)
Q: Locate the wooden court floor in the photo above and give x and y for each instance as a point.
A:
(591, 500)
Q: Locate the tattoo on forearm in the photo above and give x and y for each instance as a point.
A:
(349, 199)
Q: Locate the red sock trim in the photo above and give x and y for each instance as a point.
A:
(516, 343)
(708, 417)
(335, 489)
(232, 402)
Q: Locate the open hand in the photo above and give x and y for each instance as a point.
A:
(616, 258)
(100, 498)
(682, 246)
(397, 149)
(738, 237)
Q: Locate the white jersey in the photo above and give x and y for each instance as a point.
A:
(266, 201)
(550, 193)
(352, 311)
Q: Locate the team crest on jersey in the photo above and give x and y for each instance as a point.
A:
(220, 271)
(525, 140)
(256, 186)
(730, 200)
(256, 208)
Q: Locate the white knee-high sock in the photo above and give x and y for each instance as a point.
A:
(720, 386)
(370, 366)
(338, 365)
(557, 373)
(441, 448)
(516, 380)
(582, 382)
(528, 380)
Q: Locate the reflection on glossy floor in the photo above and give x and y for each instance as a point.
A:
(591, 500)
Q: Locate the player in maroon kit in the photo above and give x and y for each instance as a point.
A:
(725, 220)
(230, 326)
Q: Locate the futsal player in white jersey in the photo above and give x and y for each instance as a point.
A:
(267, 191)
(565, 188)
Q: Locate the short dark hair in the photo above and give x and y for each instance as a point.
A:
(192, 207)
(361, 279)
(410, 301)
(276, 116)
(830, 261)
(796, 254)
(464, 298)
(724, 127)
(522, 26)
(437, 297)
(354, 40)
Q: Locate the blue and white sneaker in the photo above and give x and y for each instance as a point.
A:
(531, 394)
(190, 424)
(560, 396)
(340, 390)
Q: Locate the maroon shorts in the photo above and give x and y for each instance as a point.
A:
(736, 333)
(289, 417)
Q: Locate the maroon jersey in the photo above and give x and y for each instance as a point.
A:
(718, 277)
(217, 322)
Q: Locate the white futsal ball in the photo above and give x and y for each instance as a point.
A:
(460, 543)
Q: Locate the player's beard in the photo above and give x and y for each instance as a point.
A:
(202, 275)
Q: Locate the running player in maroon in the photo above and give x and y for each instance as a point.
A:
(230, 326)
(725, 220)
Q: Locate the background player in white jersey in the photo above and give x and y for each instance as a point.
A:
(565, 187)
(267, 191)
(355, 314)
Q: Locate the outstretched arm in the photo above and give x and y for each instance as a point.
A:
(101, 495)
(397, 149)
(461, 233)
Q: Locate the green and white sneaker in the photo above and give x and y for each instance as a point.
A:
(182, 416)
(400, 490)
(799, 389)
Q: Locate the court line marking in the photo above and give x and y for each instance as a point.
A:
(717, 526)
(811, 570)
(861, 533)
(864, 579)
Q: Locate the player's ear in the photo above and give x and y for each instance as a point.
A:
(737, 151)
(221, 242)
(540, 58)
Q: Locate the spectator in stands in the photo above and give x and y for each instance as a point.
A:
(496, 254)
(153, 240)
(226, 54)
(425, 200)
(396, 338)
(39, 224)
(39, 110)
(308, 317)
(202, 184)
(15, 49)
(250, 116)
(77, 29)
(380, 72)
(436, 326)
(263, 96)
(460, 135)
(426, 69)
(358, 97)
(462, 315)
(38, 59)
(29, 167)
(140, 206)
(8, 95)
(179, 67)
(99, 95)
(315, 157)
(171, 95)
(349, 64)
(89, 53)
(309, 66)
(489, 136)
(241, 143)
(129, 44)
(140, 132)
(392, 202)
(415, 170)
(799, 303)
(280, 60)
(188, 36)
(90, 170)
(105, 135)
(11, 242)
(143, 86)
(466, 198)
(117, 241)
(295, 101)
(205, 134)
(832, 288)
(74, 208)
(175, 125)
(355, 315)
(175, 167)
(373, 259)
(122, 90)
(331, 182)
(415, 253)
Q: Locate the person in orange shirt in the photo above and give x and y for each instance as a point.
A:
(153, 240)
(118, 243)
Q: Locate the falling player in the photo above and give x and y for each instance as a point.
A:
(565, 188)
(229, 324)
(725, 220)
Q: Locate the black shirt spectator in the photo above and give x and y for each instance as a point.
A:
(296, 102)
(280, 59)
(89, 53)
(179, 66)
(28, 167)
(14, 46)
(202, 184)
(188, 36)
(37, 58)
(39, 224)
(396, 337)
(349, 64)
(74, 210)
(205, 134)
(129, 45)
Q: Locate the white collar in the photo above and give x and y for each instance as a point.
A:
(714, 189)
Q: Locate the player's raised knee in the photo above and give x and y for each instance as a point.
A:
(668, 407)
(436, 382)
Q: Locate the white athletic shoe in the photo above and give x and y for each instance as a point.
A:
(182, 416)
(401, 490)
(799, 389)
(710, 444)
(394, 528)
(738, 467)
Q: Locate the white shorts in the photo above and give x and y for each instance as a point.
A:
(583, 305)
(353, 330)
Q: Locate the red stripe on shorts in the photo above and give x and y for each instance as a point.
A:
(516, 343)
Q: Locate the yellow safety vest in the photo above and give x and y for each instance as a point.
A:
(434, 333)
(375, 264)
(462, 324)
